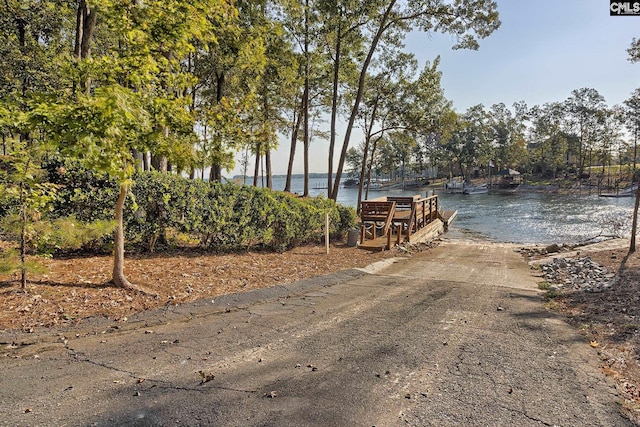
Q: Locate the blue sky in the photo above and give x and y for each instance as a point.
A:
(543, 50)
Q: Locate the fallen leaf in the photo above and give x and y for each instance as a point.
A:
(205, 377)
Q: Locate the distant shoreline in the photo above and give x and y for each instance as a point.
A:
(315, 175)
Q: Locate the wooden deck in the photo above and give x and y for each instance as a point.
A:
(448, 217)
(378, 244)
(392, 220)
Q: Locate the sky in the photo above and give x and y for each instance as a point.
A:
(543, 50)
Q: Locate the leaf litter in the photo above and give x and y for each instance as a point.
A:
(74, 289)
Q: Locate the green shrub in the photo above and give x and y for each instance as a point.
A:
(85, 195)
(223, 217)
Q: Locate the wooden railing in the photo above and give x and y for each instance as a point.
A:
(404, 215)
(375, 212)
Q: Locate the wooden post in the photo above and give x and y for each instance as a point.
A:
(399, 234)
(363, 232)
(389, 239)
(326, 231)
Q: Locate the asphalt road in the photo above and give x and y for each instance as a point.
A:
(455, 336)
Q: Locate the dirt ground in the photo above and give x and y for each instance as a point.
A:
(610, 320)
(77, 288)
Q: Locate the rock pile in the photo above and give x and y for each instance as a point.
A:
(579, 274)
(536, 251)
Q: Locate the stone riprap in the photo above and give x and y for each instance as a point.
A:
(580, 273)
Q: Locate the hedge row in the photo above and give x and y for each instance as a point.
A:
(221, 217)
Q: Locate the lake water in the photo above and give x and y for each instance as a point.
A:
(528, 218)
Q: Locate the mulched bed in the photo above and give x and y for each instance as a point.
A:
(77, 288)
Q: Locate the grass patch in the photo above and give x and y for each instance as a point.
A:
(544, 286)
(551, 294)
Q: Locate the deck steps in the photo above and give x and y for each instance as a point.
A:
(378, 244)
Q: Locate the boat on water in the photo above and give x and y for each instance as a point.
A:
(478, 189)
(509, 181)
(629, 191)
(351, 182)
(454, 186)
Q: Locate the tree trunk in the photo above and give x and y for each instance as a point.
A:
(370, 167)
(159, 163)
(634, 224)
(356, 104)
(23, 238)
(215, 174)
(85, 25)
(245, 166)
(138, 155)
(256, 169)
(267, 145)
(267, 161)
(118, 277)
(635, 147)
(216, 168)
(146, 164)
(334, 114)
(294, 141)
(363, 172)
(305, 155)
(365, 155)
(212, 173)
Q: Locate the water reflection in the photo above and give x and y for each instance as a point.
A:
(522, 217)
(540, 217)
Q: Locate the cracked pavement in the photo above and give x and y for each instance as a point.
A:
(457, 335)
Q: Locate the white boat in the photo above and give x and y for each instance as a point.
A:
(478, 189)
(629, 191)
(454, 186)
